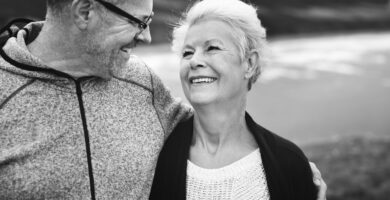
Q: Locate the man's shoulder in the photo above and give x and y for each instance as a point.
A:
(10, 82)
(136, 71)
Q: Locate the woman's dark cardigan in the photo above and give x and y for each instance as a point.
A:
(287, 169)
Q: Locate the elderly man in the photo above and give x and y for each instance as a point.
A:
(79, 117)
(77, 122)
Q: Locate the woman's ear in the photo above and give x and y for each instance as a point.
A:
(252, 60)
(81, 11)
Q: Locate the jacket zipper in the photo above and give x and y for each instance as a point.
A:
(59, 73)
(86, 137)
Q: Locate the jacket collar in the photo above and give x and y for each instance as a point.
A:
(267, 143)
(16, 53)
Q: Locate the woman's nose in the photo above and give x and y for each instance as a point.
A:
(197, 60)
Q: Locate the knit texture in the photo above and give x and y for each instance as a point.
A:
(244, 179)
(42, 146)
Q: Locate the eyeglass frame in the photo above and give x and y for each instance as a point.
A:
(142, 25)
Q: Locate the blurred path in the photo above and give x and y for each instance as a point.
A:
(315, 88)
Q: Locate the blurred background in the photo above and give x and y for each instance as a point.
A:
(327, 86)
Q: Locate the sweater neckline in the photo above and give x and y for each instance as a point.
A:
(245, 163)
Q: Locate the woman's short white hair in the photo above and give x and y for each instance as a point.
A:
(247, 29)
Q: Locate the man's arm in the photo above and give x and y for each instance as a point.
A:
(170, 110)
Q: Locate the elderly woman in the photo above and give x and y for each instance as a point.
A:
(221, 152)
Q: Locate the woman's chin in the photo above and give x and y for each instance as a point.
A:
(200, 100)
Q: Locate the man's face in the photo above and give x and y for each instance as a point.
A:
(108, 45)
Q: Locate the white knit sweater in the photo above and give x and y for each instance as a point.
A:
(244, 179)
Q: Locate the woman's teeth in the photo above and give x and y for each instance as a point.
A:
(202, 80)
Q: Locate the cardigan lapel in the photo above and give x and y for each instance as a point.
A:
(183, 153)
(275, 181)
(169, 182)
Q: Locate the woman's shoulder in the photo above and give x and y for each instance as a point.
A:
(295, 167)
(279, 145)
(288, 149)
(183, 128)
(284, 159)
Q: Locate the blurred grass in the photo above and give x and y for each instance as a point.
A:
(354, 168)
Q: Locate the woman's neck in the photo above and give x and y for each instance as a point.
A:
(216, 128)
(220, 126)
(220, 138)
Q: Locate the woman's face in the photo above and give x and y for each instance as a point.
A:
(211, 70)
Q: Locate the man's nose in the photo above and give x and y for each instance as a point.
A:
(144, 36)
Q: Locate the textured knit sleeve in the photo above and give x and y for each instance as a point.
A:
(170, 110)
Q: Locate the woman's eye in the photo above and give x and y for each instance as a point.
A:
(210, 48)
(186, 53)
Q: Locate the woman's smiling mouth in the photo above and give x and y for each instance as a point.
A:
(202, 80)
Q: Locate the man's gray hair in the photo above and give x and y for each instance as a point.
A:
(56, 6)
(248, 32)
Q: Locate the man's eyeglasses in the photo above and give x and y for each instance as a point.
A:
(142, 25)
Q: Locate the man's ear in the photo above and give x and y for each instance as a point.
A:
(82, 11)
(252, 60)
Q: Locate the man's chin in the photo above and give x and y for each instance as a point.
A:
(106, 73)
(118, 68)
(107, 77)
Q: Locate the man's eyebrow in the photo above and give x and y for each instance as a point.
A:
(145, 17)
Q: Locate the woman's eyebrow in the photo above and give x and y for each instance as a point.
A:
(213, 41)
(186, 46)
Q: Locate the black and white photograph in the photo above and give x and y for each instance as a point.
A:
(195, 99)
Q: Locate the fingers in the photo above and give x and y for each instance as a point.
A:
(319, 182)
(316, 174)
